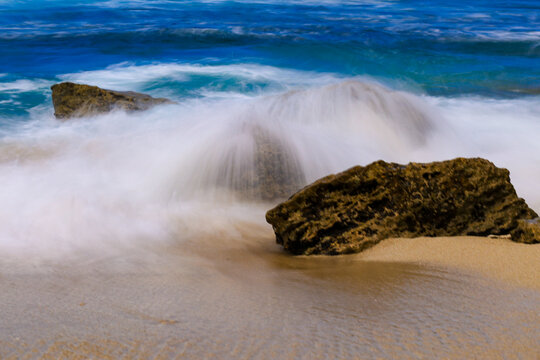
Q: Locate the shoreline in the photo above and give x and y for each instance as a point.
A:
(495, 258)
(210, 297)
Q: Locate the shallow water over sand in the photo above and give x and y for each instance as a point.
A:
(243, 298)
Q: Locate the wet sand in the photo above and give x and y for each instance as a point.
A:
(243, 298)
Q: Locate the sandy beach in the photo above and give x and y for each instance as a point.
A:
(501, 259)
(244, 298)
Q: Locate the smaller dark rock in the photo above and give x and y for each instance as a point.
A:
(77, 100)
(527, 231)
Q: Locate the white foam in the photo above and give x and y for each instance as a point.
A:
(126, 76)
(503, 131)
(515, 34)
(132, 181)
(24, 85)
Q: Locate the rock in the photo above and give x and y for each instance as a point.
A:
(277, 171)
(354, 210)
(527, 231)
(77, 100)
(272, 173)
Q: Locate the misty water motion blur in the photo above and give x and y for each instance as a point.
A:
(264, 107)
(124, 179)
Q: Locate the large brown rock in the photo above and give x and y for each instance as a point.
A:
(77, 100)
(353, 210)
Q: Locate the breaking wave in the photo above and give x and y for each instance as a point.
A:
(207, 164)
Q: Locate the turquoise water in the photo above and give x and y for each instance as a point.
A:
(488, 48)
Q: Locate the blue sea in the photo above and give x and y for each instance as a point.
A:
(453, 49)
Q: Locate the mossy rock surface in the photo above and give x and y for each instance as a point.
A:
(354, 210)
(77, 100)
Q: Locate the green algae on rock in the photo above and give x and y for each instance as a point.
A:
(77, 100)
(354, 210)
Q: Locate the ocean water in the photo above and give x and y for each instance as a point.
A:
(337, 83)
(333, 83)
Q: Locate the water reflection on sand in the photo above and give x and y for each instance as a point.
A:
(247, 299)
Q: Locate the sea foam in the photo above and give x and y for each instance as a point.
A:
(134, 181)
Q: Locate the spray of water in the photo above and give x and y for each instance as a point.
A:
(203, 166)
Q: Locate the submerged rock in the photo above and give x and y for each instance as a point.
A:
(77, 100)
(274, 171)
(354, 210)
(277, 172)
